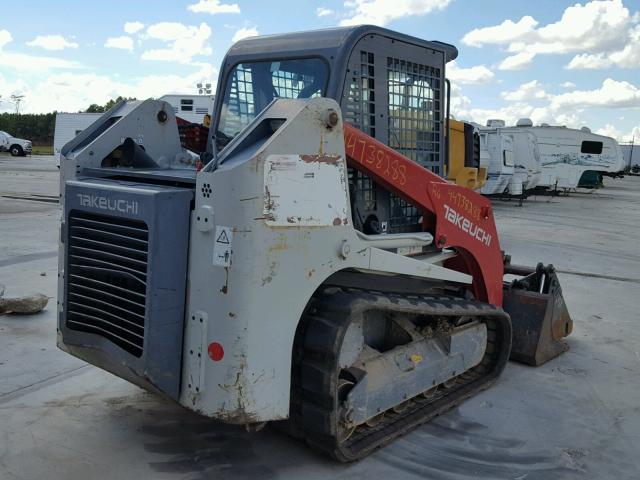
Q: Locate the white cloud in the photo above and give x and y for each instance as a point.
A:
(19, 87)
(23, 62)
(244, 33)
(512, 112)
(324, 11)
(183, 42)
(213, 7)
(520, 106)
(5, 37)
(557, 109)
(609, 131)
(629, 56)
(459, 102)
(133, 27)
(519, 61)
(123, 42)
(588, 61)
(72, 92)
(52, 42)
(532, 90)
(476, 75)
(612, 94)
(32, 63)
(567, 85)
(381, 12)
(506, 32)
(601, 31)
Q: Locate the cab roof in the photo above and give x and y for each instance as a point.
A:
(336, 42)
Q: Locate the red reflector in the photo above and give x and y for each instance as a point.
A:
(216, 352)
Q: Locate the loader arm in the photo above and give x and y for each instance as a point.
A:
(457, 217)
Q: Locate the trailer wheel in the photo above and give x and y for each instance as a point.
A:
(16, 151)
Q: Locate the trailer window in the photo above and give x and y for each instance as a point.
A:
(186, 105)
(507, 158)
(250, 87)
(594, 148)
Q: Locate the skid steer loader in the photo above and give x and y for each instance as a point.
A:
(312, 266)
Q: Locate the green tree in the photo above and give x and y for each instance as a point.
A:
(95, 108)
(38, 128)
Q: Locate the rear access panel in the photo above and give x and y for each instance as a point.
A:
(125, 247)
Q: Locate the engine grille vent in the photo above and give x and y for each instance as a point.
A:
(107, 278)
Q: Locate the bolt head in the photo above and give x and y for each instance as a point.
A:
(331, 118)
(345, 249)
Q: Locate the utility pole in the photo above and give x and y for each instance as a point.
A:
(16, 100)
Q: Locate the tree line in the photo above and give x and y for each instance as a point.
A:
(40, 127)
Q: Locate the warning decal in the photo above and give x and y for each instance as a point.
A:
(222, 238)
(222, 246)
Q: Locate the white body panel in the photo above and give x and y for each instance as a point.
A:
(251, 305)
(68, 125)
(260, 244)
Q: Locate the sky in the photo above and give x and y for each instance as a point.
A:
(562, 63)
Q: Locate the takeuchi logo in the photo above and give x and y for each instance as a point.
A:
(467, 225)
(105, 203)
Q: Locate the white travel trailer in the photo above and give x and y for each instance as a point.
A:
(68, 125)
(566, 154)
(501, 158)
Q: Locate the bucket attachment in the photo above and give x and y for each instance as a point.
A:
(538, 313)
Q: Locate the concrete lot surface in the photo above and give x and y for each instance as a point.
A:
(576, 417)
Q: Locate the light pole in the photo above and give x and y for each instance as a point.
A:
(16, 100)
(204, 89)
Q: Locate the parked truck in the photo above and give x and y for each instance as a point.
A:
(18, 147)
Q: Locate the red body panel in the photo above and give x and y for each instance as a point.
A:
(457, 217)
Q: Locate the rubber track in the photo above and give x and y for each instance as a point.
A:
(314, 407)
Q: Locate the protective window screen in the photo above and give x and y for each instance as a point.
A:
(414, 112)
(250, 87)
(414, 125)
(595, 148)
(360, 111)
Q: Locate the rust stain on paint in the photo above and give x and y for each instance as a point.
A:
(328, 159)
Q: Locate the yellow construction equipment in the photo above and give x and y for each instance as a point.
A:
(464, 167)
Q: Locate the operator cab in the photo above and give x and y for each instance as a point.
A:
(389, 85)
